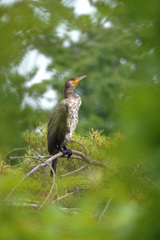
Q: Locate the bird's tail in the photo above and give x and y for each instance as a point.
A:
(54, 163)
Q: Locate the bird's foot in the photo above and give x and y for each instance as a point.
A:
(66, 151)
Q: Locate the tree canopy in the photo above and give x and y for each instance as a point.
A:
(116, 47)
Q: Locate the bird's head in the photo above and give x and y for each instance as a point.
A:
(71, 83)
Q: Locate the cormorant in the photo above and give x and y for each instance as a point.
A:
(64, 120)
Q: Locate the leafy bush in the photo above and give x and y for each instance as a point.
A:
(122, 187)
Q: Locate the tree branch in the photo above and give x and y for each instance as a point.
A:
(75, 171)
(81, 145)
(58, 155)
(105, 209)
(69, 194)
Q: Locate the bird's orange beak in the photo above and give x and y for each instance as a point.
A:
(78, 79)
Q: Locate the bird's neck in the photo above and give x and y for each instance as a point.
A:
(70, 94)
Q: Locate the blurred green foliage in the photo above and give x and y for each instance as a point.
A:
(121, 93)
(129, 181)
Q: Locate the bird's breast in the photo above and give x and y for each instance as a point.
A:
(72, 118)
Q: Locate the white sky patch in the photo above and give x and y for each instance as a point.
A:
(155, 79)
(123, 60)
(133, 67)
(83, 7)
(73, 35)
(27, 100)
(108, 24)
(66, 43)
(47, 101)
(4, 18)
(41, 13)
(32, 60)
(138, 42)
(80, 6)
(151, 51)
(9, 2)
(61, 30)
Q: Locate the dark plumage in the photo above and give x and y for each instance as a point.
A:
(64, 120)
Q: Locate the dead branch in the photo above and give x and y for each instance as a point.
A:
(53, 176)
(69, 194)
(33, 205)
(44, 151)
(75, 171)
(58, 155)
(88, 160)
(105, 209)
(39, 157)
(31, 172)
(73, 211)
(81, 145)
(19, 149)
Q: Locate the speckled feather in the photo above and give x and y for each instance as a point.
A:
(63, 122)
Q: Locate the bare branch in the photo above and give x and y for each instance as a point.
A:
(87, 159)
(75, 171)
(81, 145)
(39, 157)
(33, 205)
(68, 194)
(32, 171)
(44, 151)
(20, 149)
(70, 210)
(105, 209)
(51, 187)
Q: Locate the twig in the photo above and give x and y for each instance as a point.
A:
(43, 151)
(70, 210)
(75, 171)
(88, 160)
(19, 149)
(68, 194)
(81, 145)
(34, 205)
(51, 187)
(76, 157)
(32, 171)
(14, 165)
(105, 209)
(38, 157)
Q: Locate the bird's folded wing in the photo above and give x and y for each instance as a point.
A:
(57, 126)
(59, 115)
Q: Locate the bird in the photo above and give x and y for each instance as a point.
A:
(63, 121)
